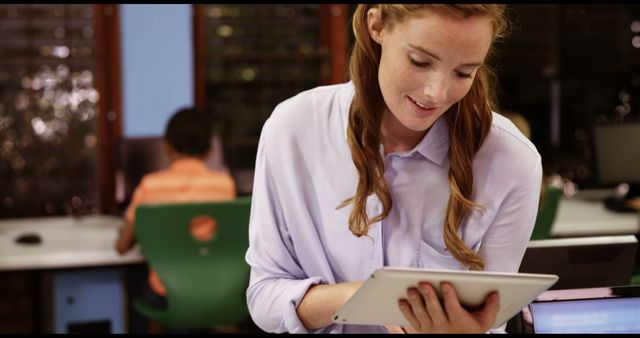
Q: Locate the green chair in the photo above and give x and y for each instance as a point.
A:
(205, 281)
(546, 212)
(635, 279)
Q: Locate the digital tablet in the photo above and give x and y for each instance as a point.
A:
(376, 302)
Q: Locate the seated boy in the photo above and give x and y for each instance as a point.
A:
(187, 142)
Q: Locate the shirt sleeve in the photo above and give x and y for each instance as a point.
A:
(233, 190)
(277, 282)
(505, 242)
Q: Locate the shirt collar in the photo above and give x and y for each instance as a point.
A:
(433, 146)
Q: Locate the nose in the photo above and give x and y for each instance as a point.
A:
(436, 88)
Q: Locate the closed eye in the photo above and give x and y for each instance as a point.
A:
(463, 75)
(419, 64)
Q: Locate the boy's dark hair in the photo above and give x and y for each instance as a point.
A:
(189, 131)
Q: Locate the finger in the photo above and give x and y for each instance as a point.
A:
(451, 302)
(434, 308)
(418, 307)
(394, 328)
(408, 329)
(488, 314)
(408, 314)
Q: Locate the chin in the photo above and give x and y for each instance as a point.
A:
(419, 126)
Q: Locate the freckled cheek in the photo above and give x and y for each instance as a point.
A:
(409, 81)
(395, 83)
(456, 93)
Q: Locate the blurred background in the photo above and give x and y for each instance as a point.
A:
(86, 90)
(77, 81)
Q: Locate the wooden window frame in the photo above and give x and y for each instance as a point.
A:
(108, 84)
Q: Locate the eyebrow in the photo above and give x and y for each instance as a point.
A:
(422, 50)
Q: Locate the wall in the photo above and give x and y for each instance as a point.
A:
(157, 65)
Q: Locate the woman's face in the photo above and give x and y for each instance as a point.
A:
(428, 63)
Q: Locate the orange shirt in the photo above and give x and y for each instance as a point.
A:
(186, 180)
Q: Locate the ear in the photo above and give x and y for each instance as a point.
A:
(375, 25)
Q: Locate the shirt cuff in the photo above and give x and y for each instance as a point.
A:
(291, 321)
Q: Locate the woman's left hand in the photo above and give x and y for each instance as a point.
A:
(425, 312)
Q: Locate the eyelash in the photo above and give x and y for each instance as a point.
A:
(425, 64)
(419, 64)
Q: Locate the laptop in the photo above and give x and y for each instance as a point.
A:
(588, 310)
(583, 262)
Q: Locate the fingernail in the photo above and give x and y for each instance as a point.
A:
(445, 289)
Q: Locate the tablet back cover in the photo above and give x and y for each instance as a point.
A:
(376, 302)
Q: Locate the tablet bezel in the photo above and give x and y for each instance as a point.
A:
(376, 302)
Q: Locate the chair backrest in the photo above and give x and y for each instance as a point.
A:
(205, 281)
(547, 213)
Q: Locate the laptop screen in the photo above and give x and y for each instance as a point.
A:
(593, 310)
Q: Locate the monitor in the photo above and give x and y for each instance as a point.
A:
(617, 154)
(588, 310)
(138, 156)
(583, 262)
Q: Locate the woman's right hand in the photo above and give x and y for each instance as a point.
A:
(426, 313)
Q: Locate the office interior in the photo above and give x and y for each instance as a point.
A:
(86, 91)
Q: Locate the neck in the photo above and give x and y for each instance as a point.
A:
(175, 157)
(396, 137)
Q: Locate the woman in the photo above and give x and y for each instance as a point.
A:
(405, 165)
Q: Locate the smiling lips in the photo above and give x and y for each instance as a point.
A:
(420, 109)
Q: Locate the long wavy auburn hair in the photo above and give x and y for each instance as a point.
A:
(468, 121)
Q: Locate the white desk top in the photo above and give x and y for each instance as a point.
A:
(67, 242)
(582, 215)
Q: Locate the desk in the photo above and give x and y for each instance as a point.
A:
(66, 243)
(87, 275)
(585, 215)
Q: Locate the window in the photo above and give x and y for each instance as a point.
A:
(53, 96)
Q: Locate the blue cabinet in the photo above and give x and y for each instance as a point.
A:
(89, 301)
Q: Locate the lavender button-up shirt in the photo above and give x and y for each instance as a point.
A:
(304, 170)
